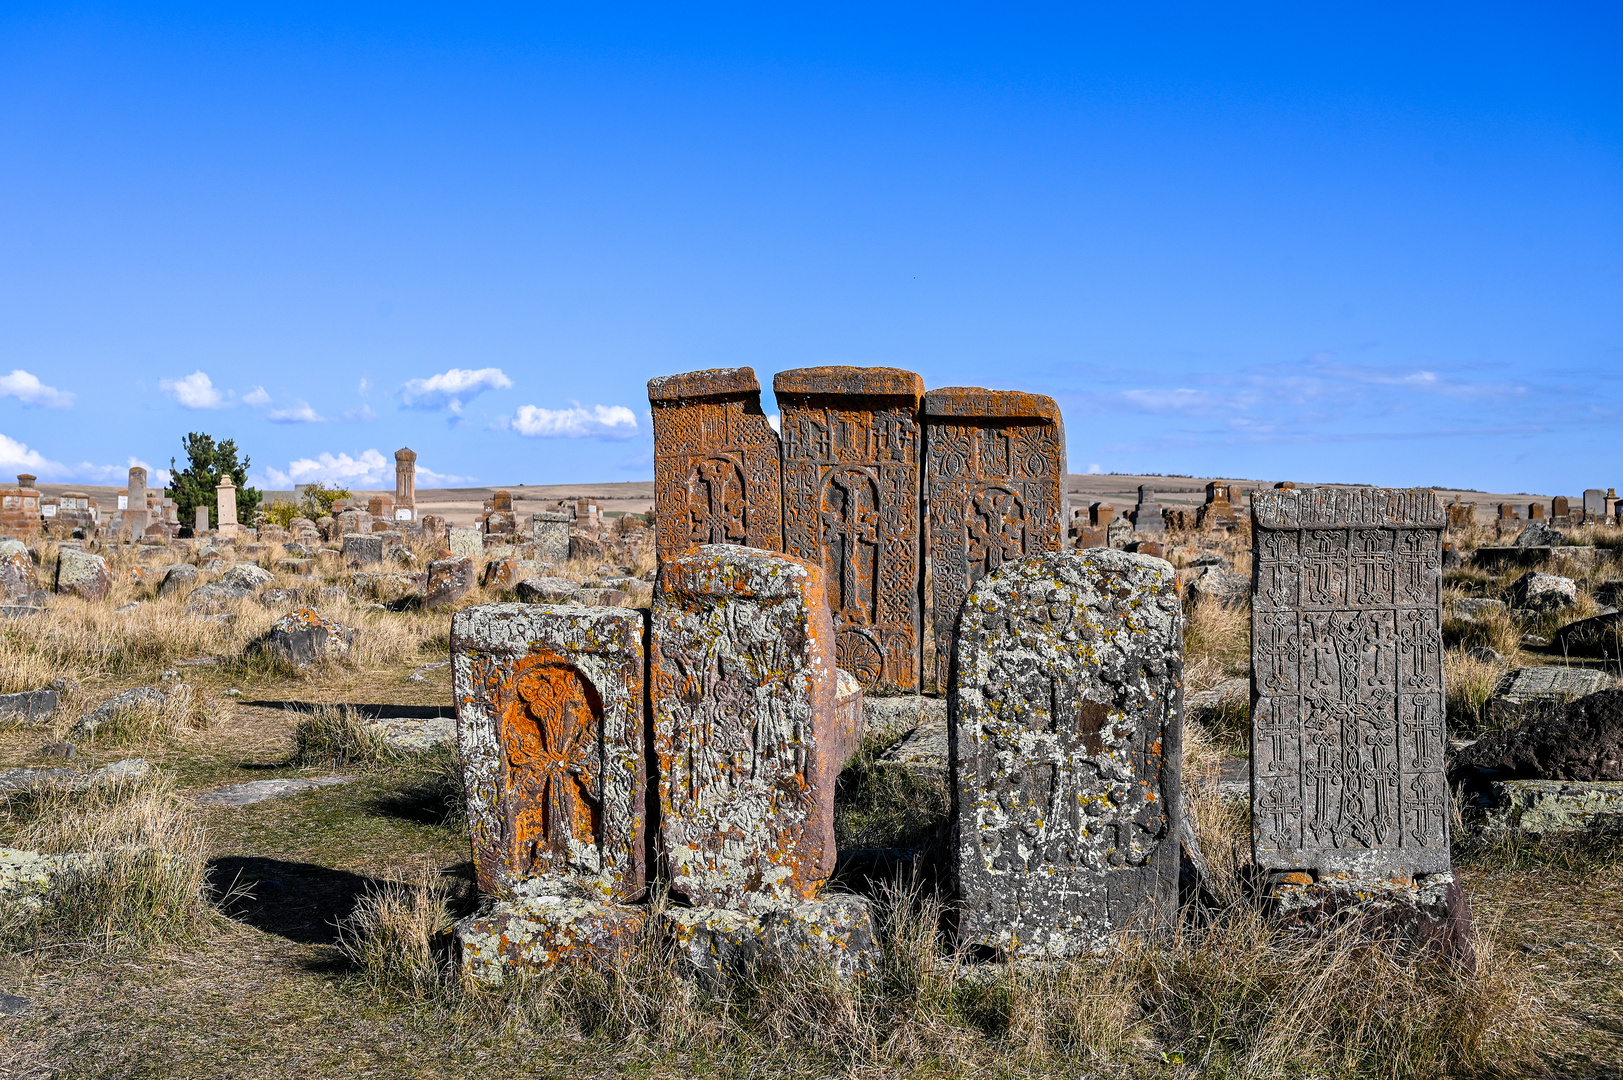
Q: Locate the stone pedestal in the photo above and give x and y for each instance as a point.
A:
(538, 933)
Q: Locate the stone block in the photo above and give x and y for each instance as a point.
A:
(716, 462)
(1528, 692)
(713, 944)
(549, 533)
(584, 547)
(994, 490)
(465, 543)
(894, 717)
(1597, 638)
(17, 582)
(1430, 910)
(1147, 517)
(745, 729)
(548, 590)
(507, 573)
(448, 581)
(926, 748)
(851, 474)
(247, 575)
(542, 933)
(362, 550)
(1347, 722)
(29, 705)
(1067, 709)
(836, 931)
(848, 718)
(1535, 809)
(602, 598)
(550, 728)
(1543, 592)
(80, 573)
(302, 637)
(218, 598)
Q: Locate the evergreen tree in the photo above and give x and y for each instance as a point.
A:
(206, 462)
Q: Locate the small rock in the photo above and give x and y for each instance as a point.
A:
(12, 1005)
(303, 637)
(30, 704)
(1533, 641)
(602, 598)
(415, 733)
(79, 573)
(177, 579)
(1473, 606)
(250, 577)
(1544, 592)
(126, 608)
(1600, 637)
(547, 590)
(215, 599)
(233, 692)
(63, 750)
(259, 790)
(1483, 655)
(1537, 535)
(1221, 584)
(140, 696)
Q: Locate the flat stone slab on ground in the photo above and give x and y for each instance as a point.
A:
(29, 705)
(24, 779)
(259, 790)
(540, 933)
(925, 747)
(1526, 689)
(895, 716)
(1536, 808)
(415, 733)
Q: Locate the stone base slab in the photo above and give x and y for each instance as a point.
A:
(835, 932)
(1431, 910)
(1535, 808)
(541, 933)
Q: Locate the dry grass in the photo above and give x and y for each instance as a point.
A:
(1469, 683)
(136, 876)
(336, 737)
(1218, 634)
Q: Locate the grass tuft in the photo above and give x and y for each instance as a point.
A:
(336, 737)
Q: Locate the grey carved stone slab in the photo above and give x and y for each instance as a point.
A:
(550, 728)
(1347, 735)
(1066, 722)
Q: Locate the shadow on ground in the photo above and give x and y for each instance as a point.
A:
(302, 902)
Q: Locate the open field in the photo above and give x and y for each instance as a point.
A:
(266, 987)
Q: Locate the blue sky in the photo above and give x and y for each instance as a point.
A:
(1382, 245)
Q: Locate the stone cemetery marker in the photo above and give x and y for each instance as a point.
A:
(851, 451)
(448, 581)
(465, 543)
(550, 729)
(362, 550)
(1594, 504)
(1147, 514)
(716, 472)
(405, 484)
(1560, 507)
(226, 503)
(1067, 713)
(1535, 512)
(1347, 683)
(549, 530)
(135, 517)
(746, 732)
(994, 470)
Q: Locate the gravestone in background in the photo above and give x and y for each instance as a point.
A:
(994, 474)
(745, 727)
(716, 472)
(1067, 710)
(851, 455)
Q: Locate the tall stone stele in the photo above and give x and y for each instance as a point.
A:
(1349, 796)
(852, 451)
(550, 733)
(405, 484)
(135, 514)
(226, 503)
(994, 490)
(716, 472)
(1066, 712)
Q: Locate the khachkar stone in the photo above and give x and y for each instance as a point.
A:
(405, 484)
(715, 462)
(550, 730)
(746, 736)
(851, 469)
(1066, 708)
(994, 474)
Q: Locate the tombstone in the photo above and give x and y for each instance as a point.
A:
(746, 739)
(1066, 711)
(1560, 507)
(1147, 514)
(381, 507)
(1347, 736)
(465, 543)
(851, 503)
(499, 519)
(1101, 513)
(716, 471)
(1218, 512)
(19, 509)
(550, 729)
(1119, 533)
(405, 484)
(1461, 515)
(1535, 511)
(1508, 512)
(448, 580)
(202, 520)
(135, 513)
(1594, 504)
(549, 532)
(361, 550)
(994, 475)
(226, 506)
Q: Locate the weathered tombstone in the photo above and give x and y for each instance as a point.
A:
(226, 504)
(405, 484)
(1461, 515)
(1119, 533)
(994, 475)
(1560, 507)
(716, 471)
(549, 531)
(80, 573)
(1101, 513)
(746, 733)
(448, 581)
(465, 543)
(1219, 510)
(135, 517)
(1147, 514)
(851, 503)
(1594, 504)
(1347, 736)
(202, 521)
(381, 507)
(550, 728)
(362, 550)
(1535, 511)
(1067, 713)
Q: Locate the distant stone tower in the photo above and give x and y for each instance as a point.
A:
(405, 484)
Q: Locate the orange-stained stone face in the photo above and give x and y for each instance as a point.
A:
(551, 738)
(716, 477)
(994, 474)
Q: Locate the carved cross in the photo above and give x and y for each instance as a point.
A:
(555, 764)
(997, 531)
(846, 528)
(716, 515)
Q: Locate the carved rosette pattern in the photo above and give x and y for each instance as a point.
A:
(851, 503)
(715, 475)
(993, 492)
(1348, 708)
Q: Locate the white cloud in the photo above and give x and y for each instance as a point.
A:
(27, 389)
(366, 385)
(776, 423)
(17, 456)
(449, 389)
(366, 470)
(364, 413)
(256, 397)
(299, 413)
(1094, 470)
(428, 477)
(195, 391)
(575, 422)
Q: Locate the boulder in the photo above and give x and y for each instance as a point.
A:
(548, 590)
(17, 584)
(1600, 637)
(448, 581)
(1221, 584)
(216, 599)
(139, 697)
(507, 573)
(584, 547)
(29, 705)
(303, 637)
(247, 575)
(1537, 535)
(1544, 592)
(1581, 740)
(79, 573)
